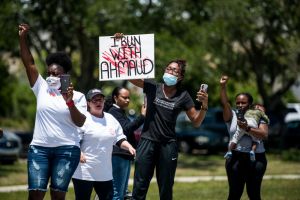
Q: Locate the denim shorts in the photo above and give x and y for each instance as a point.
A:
(59, 163)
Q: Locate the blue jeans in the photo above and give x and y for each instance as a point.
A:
(121, 173)
(59, 163)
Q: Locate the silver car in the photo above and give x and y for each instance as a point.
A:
(10, 147)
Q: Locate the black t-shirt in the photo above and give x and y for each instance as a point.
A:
(162, 112)
(128, 128)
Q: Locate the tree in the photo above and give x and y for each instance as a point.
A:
(258, 40)
(246, 39)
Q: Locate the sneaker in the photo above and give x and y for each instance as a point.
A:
(228, 155)
(252, 156)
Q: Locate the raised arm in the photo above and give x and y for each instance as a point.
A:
(31, 70)
(227, 113)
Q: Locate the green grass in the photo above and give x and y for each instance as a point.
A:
(195, 165)
(214, 165)
(188, 165)
(211, 190)
(13, 174)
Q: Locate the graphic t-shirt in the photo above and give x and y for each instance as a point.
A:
(162, 112)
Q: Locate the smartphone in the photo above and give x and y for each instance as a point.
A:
(240, 114)
(204, 87)
(65, 82)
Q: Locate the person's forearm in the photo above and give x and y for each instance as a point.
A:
(125, 145)
(137, 82)
(260, 133)
(227, 114)
(28, 61)
(223, 95)
(200, 117)
(25, 53)
(77, 117)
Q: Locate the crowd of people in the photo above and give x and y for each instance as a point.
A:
(90, 139)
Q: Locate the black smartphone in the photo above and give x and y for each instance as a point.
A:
(64, 82)
(240, 114)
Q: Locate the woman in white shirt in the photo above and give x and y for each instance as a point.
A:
(99, 133)
(54, 150)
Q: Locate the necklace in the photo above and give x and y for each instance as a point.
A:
(166, 96)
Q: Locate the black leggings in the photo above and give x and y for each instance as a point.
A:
(150, 155)
(240, 171)
(83, 189)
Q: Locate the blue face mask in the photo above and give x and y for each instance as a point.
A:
(170, 79)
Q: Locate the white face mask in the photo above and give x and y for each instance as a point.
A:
(53, 82)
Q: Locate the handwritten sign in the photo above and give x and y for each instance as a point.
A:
(129, 57)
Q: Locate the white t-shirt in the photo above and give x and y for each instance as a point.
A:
(98, 137)
(53, 124)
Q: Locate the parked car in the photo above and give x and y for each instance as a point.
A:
(211, 136)
(10, 147)
(293, 112)
(290, 137)
(26, 137)
(280, 126)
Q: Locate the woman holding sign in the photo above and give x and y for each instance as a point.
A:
(158, 146)
(54, 150)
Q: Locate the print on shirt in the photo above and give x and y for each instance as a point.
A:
(163, 103)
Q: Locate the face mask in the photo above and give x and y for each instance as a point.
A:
(53, 82)
(170, 79)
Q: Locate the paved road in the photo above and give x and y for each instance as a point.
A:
(177, 179)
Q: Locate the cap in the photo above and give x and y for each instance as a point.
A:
(93, 92)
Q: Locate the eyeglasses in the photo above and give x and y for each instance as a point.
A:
(97, 100)
(175, 71)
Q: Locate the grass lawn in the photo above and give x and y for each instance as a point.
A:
(211, 190)
(188, 165)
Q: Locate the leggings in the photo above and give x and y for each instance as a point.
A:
(241, 171)
(83, 189)
(150, 155)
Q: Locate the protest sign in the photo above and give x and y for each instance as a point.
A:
(128, 57)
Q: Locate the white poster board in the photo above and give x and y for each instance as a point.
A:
(130, 57)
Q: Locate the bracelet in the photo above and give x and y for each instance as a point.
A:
(70, 103)
(204, 108)
(248, 129)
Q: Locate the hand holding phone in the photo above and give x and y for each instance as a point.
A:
(240, 114)
(65, 82)
(203, 88)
